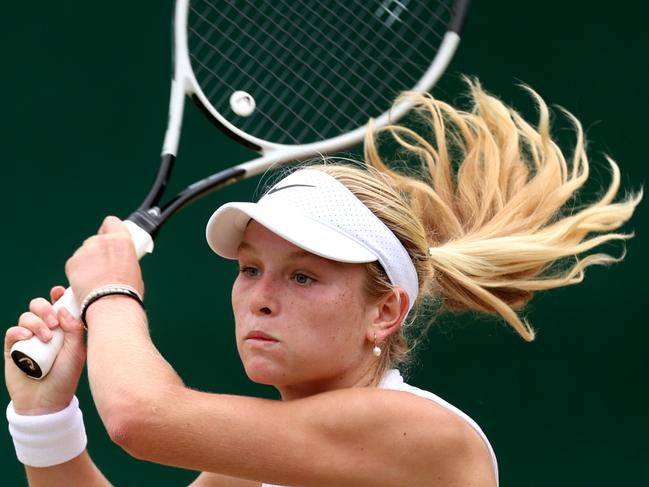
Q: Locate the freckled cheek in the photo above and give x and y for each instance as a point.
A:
(339, 320)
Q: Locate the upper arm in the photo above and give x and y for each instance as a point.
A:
(350, 437)
(397, 438)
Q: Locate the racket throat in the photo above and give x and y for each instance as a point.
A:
(148, 220)
(148, 214)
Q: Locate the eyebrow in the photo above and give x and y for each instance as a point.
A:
(294, 254)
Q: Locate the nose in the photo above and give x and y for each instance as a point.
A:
(265, 296)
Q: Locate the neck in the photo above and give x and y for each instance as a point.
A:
(363, 376)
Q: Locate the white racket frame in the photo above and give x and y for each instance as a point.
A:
(184, 84)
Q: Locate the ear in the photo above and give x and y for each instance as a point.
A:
(391, 310)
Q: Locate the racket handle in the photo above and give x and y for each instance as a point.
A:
(35, 357)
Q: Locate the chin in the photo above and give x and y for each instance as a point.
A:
(261, 371)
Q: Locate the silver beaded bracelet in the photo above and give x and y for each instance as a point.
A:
(109, 290)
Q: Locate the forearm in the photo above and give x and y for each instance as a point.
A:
(125, 369)
(81, 470)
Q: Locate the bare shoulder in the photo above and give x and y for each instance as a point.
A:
(209, 479)
(447, 440)
(415, 435)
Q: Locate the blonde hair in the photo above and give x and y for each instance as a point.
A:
(491, 215)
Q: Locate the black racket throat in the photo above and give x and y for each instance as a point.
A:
(147, 216)
(167, 162)
(151, 216)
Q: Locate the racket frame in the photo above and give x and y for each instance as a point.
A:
(184, 84)
(145, 222)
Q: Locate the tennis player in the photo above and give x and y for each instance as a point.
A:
(335, 263)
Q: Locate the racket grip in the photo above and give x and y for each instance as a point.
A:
(35, 357)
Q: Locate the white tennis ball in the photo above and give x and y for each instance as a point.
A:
(242, 103)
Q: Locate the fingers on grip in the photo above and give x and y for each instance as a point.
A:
(112, 224)
(15, 334)
(56, 292)
(44, 310)
(36, 325)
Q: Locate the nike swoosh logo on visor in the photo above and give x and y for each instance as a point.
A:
(280, 188)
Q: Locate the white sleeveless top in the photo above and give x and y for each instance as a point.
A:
(393, 381)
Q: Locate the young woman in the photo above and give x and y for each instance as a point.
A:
(335, 262)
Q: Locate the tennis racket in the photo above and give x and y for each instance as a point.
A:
(290, 79)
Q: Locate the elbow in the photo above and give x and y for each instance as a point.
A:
(122, 427)
(126, 423)
(136, 423)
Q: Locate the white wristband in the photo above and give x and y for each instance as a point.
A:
(49, 439)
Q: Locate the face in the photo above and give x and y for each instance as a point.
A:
(301, 320)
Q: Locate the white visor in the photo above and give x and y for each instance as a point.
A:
(317, 213)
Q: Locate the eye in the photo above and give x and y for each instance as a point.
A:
(249, 271)
(302, 279)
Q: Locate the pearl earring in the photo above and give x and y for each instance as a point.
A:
(376, 350)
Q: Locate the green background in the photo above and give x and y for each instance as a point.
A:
(84, 90)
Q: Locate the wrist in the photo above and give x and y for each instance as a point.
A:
(109, 293)
(113, 301)
(25, 409)
(48, 439)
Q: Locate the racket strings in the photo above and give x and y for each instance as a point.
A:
(284, 82)
(316, 69)
(211, 75)
(317, 45)
(307, 126)
(273, 84)
(379, 79)
(312, 45)
(353, 63)
(334, 72)
(218, 72)
(224, 68)
(368, 51)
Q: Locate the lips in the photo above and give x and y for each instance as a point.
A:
(260, 336)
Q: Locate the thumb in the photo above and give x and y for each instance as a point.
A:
(70, 324)
(74, 341)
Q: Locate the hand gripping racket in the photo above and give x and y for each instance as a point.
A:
(290, 79)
